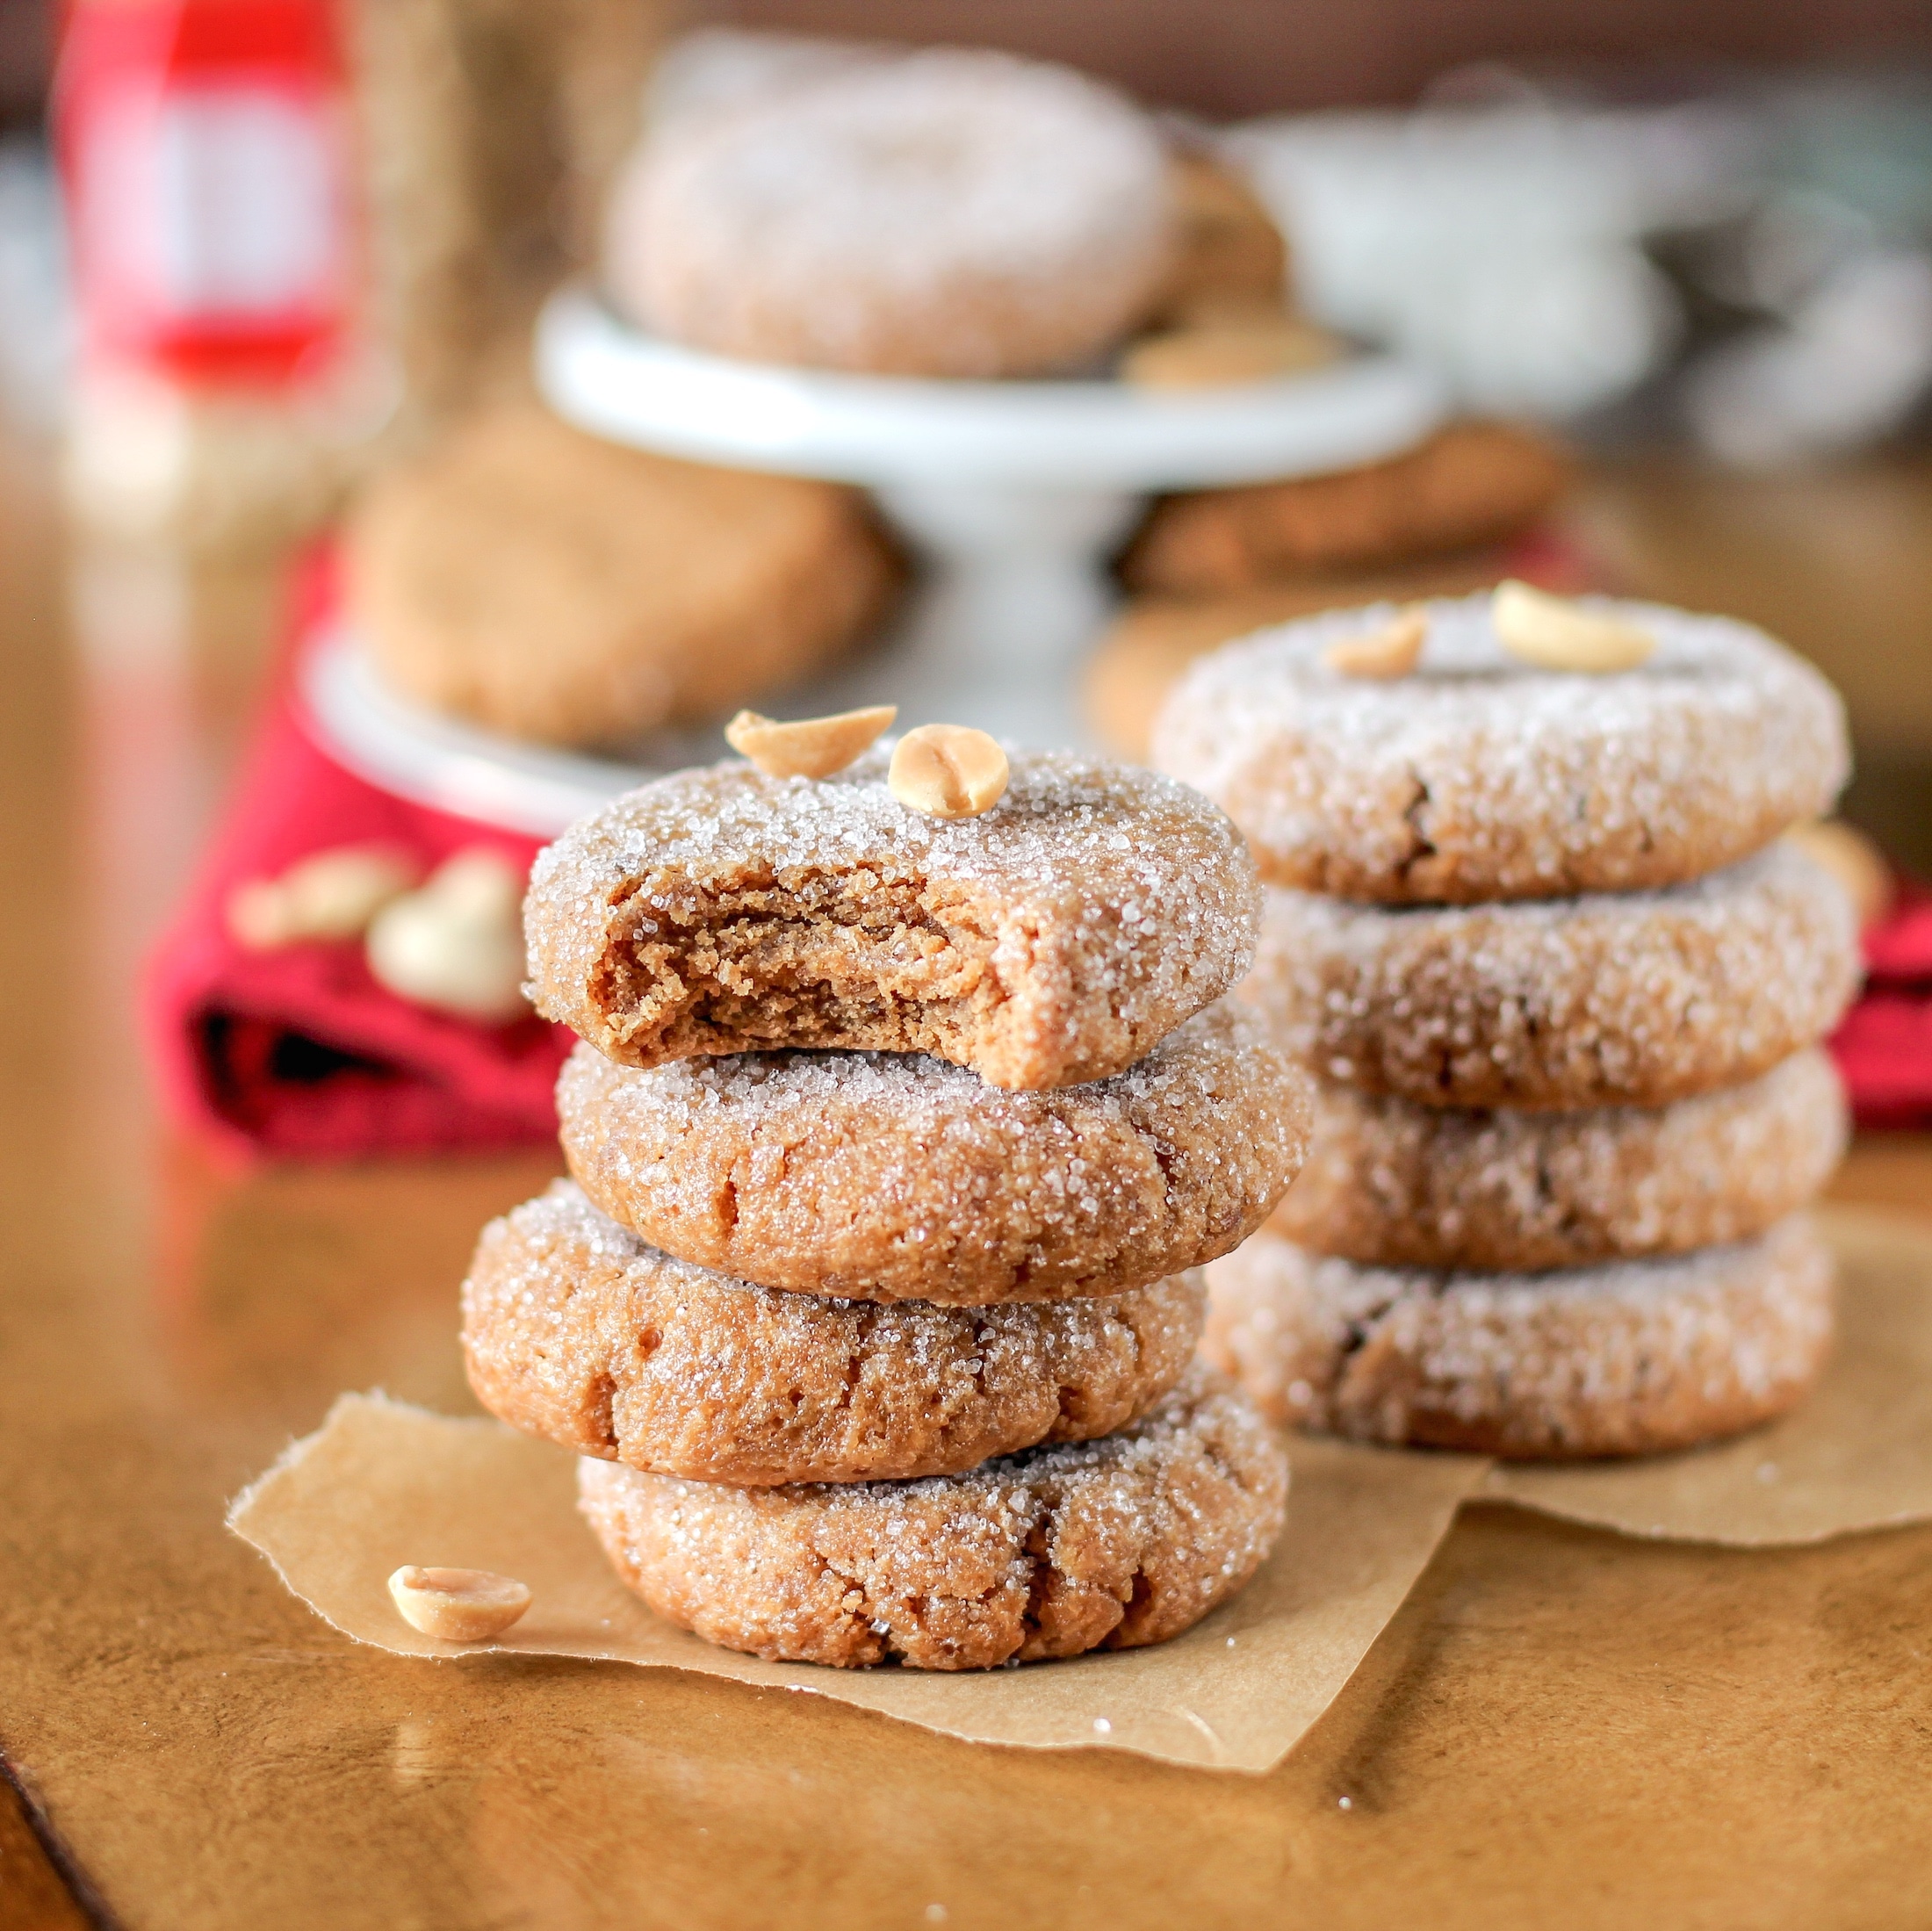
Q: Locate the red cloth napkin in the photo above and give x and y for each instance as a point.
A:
(299, 1051)
(1884, 1049)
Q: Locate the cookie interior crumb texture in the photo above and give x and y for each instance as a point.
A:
(1109, 1544)
(1634, 999)
(1052, 939)
(575, 1330)
(1629, 1358)
(1480, 777)
(891, 1176)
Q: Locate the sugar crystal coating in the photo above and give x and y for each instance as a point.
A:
(1050, 940)
(1108, 1543)
(1631, 998)
(892, 1175)
(1628, 1358)
(955, 212)
(1480, 777)
(575, 1330)
(1389, 1181)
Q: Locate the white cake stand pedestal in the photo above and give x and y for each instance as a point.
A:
(1013, 493)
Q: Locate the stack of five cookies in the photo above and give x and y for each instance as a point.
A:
(899, 1136)
(1532, 923)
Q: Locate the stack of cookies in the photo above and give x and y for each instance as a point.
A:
(1533, 924)
(907, 1111)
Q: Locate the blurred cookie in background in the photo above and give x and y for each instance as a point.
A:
(1154, 639)
(950, 213)
(536, 580)
(1471, 483)
(1230, 258)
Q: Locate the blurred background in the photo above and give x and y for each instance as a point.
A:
(270, 269)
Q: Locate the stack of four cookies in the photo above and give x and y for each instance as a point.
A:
(897, 1142)
(1532, 923)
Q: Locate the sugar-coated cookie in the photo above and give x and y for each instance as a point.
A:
(1614, 999)
(952, 214)
(1103, 1544)
(575, 1330)
(556, 587)
(1053, 939)
(1471, 483)
(1480, 776)
(1391, 1183)
(1629, 1358)
(894, 1176)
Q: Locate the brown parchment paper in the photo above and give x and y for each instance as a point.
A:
(1857, 1455)
(380, 1484)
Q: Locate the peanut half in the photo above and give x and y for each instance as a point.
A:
(1394, 651)
(458, 944)
(807, 747)
(458, 1605)
(947, 771)
(330, 895)
(1220, 354)
(1558, 635)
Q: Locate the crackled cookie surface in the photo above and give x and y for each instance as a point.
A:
(890, 1177)
(575, 1330)
(1480, 777)
(1629, 999)
(1102, 1545)
(955, 213)
(1629, 1358)
(1052, 939)
(1389, 1181)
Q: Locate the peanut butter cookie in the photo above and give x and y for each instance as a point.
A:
(955, 212)
(1481, 776)
(561, 589)
(1391, 1183)
(1616, 1000)
(1471, 483)
(1630, 1358)
(1103, 1544)
(890, 1177)
(1052, 940)
(575, 1330)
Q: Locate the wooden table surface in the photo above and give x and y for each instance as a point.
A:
(1560, 1725)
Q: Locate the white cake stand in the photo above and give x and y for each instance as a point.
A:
(1013, 492)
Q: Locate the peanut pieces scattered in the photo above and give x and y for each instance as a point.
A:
(458, 1605)
(807, 747)
(332, 894)
(1392, 652)
(1560, 636)
(456, 944)
(947, 771)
